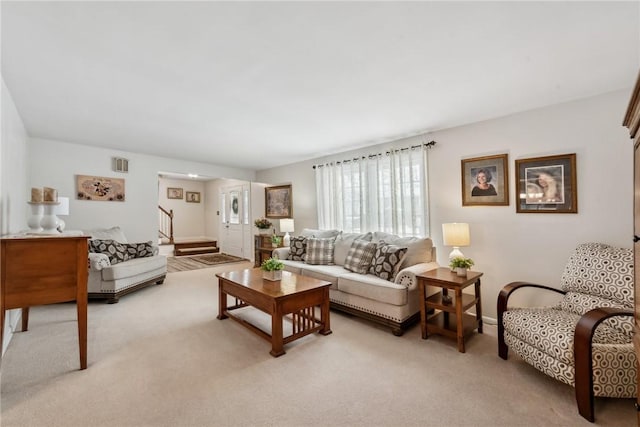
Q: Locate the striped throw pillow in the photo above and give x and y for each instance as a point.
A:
(359, 256)
(320, 251)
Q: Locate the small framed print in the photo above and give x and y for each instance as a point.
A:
(278, 202)
(547, 184)
(193, 197)
(174, 193)
(485, 181)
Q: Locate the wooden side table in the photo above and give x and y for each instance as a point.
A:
(263, 248)
(38, 270)
(459, 325)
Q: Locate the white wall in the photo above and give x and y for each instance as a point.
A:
(55, 164)
(14, 188)
(188, 218)
(505, 245)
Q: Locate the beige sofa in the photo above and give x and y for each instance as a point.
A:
(111, 281)
(394, 303)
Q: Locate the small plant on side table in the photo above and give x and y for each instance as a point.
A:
(272, 269)
(460, 265)
(276, 240)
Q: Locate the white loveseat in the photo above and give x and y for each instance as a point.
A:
(109, 280)
(392, 303)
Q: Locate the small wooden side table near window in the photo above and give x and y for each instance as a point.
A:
(459, 325)
(264, 247)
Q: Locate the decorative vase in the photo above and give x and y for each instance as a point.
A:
(274, 275)
(37, 211)
(462, 272)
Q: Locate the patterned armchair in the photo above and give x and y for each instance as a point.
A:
(585, 340)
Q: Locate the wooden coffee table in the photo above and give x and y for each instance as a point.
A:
(294, 295)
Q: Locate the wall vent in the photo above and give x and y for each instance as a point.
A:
(118, 164)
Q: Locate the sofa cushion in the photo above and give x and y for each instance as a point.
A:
(293, 266)
(312, 232)
(372, 287)
(116, 251)
(113, 233)
(343, 244)
(386, 261)
(330, 273)
(134, 267)
(359, 256)
(418, 249)
(297, 248)
(320, 251)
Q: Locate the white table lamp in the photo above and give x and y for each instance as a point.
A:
(61, 210)
(456, 234)
(287, 226)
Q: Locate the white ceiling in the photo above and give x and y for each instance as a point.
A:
(261, 84)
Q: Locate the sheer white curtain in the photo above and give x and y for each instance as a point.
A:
(384, 192)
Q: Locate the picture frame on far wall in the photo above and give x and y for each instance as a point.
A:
(485, 181)
(193, 197)
(547, 184)
(278, 201)
(174, 193)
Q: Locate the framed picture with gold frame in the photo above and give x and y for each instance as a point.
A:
(485, 181)
(193, 197)
(174, 193)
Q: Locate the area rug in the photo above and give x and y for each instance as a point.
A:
(194, 262)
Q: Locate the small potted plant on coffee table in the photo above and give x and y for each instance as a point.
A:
(272, 269)
(460, 265)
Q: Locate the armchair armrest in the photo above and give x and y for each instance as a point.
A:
(281, 253)
(98, 261)
(583, 355)
(407, 276)
(503, 299)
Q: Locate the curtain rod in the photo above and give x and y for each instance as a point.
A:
(425, 144)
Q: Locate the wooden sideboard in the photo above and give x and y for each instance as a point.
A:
(38, 270)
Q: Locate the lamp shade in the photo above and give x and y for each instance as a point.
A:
(286, 225)
(456, 234)
(63, 207)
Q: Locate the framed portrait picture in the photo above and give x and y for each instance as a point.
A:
(193, 197)
(174, 193)
(99, 188)
(547, 184)
(278, 202)
(485, 181)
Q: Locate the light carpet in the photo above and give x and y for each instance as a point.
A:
(194, 262)
(161, 358)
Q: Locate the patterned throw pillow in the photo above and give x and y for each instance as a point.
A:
(386, 261)
(320, 251)
(116, 251)
(359, 256)
(144, 249)
(297, 248)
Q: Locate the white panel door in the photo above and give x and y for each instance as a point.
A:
(231, 220)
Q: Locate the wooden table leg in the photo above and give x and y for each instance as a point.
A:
(222, 302)
(423, 310)
(478, 306)
(324, 313)
(2, 313)
(25, 319)
(459, 319)
(277, 345)
(82, 332)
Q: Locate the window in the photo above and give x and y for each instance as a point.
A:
(385, 192)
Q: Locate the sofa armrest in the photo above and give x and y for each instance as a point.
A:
(281, 253)
(156, 250)
(98, 261)
(407, 276)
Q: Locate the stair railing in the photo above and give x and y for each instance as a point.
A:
(166, 223)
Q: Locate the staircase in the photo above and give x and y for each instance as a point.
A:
(195, 248)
